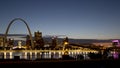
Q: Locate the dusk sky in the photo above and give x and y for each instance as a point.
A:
(81, 19)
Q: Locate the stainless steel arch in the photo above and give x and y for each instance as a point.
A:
(5, 37)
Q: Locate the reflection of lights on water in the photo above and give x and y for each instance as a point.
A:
(46, 55)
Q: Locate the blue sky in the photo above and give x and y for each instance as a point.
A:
(81, 19)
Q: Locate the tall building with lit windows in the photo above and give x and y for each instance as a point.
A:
(54, 42)
(1, 41)
(28, 42)
(38, 40)
(38, 35)
(11, 42)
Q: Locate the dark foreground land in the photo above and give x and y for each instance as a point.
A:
(97, 63)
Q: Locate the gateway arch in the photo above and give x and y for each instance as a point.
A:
(6, 33)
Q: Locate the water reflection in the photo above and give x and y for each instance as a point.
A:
(41, 55)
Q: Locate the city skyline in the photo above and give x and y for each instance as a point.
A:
(79, 19)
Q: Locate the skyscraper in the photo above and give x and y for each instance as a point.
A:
(1, 41)
(54, 42)
(28, 42)
(38, 40)
(11, 42)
